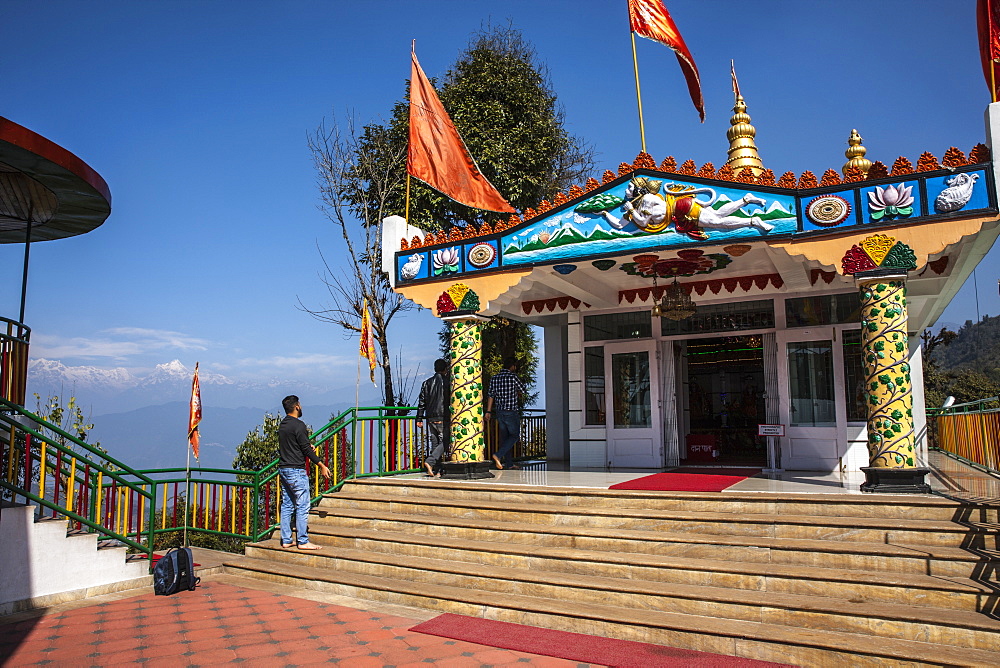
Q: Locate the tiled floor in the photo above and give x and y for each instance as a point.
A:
(226, 623)
(948, 476)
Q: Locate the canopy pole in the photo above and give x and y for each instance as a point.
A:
(27, 252)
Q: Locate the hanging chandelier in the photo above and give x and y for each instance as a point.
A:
(676, 303)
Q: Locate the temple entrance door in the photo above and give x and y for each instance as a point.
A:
(633, 415)
(811, 440)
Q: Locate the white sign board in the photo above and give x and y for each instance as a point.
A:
(770, 430)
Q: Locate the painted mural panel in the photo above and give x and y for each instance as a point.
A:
(830, 210)
(891, 202)
(957, 192)
(647, 212)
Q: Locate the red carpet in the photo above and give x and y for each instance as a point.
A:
(574, 646)
(689, 479)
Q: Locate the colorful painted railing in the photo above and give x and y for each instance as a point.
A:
(362, 442)
(66, 477)
(14, 338)
(532, 443)
(970, 431)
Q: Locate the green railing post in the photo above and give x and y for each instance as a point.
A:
(255, 504)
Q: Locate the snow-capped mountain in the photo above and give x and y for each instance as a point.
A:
(119, 389)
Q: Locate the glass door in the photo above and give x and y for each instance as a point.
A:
(633, 405)
(812, 440)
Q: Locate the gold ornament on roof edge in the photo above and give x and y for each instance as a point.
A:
(855, 154)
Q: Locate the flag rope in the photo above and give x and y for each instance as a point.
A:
(638, 92)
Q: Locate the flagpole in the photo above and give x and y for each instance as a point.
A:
(407, 216)
(187, 494)
(638, 92)
(993, 79)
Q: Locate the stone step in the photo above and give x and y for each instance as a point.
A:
(397, 528)
(480, 544)
(910, 506)
(854, 529)
(935, 625)
(744, 638)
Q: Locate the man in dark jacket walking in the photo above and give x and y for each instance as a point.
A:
(431, 407)
(293, 450)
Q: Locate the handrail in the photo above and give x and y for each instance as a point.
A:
(136, 507)
(14, 344)
(969, 431)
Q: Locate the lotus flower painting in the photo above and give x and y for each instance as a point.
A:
(445, 261)
(890, 201)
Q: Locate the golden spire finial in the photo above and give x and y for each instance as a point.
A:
(855, 154)
(742, 149)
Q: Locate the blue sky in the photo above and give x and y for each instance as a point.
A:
(196, 114)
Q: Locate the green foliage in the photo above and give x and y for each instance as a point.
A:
(503, 337)
(963, 364)
(260, 447)
(501, 101)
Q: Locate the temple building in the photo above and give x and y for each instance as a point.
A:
(729, 316)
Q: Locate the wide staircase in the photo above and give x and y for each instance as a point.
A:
(819, 579)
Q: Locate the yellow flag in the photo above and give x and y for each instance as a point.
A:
(367, 349)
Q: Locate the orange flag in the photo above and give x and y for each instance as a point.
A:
(650, 19)
(194, 417)
(988, 20)
(438, 156)
(367, 348)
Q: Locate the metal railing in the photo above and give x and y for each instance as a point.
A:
(64, 476)
(532, 442)
(14, 338)
(970, 431)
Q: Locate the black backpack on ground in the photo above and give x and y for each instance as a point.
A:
(174, 572)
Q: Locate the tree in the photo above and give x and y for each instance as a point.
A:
(354, 188)
(501, 99)
(966, 382)
(260, 447)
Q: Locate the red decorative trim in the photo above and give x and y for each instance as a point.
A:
(550, 305)
(744, 283)
(817, 274)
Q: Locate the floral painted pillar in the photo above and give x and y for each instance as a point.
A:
(879, 265)
(457, 306)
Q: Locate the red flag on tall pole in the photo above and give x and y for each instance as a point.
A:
(194, 417)
(650, 19)
(988, 21)
(367, 347)
(438, 156)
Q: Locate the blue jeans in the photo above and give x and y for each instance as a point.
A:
(295, 503)
(510, 434)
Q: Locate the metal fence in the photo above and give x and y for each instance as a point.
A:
(14, 338)
(970, 431)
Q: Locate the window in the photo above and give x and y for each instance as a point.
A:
(629, 325)
(632, 401)
(593, 385)
(810, 384)
(724, 318)
(823, 310)
(854, 377)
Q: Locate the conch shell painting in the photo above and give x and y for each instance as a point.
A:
(890, 201)
(411, 268)
(957, 194)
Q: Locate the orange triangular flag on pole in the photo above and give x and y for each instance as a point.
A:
(194, 417)
(988, 20)
(650, 19)
(367, 347)
(438, 156)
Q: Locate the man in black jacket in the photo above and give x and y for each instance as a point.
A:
(431, 408)
(293, 450)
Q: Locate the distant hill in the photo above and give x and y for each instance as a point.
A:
(154, 436)
(977, 348)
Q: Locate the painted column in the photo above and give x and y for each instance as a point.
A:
(458, 306)
(885, 354)
(466, 356)
(879, 265)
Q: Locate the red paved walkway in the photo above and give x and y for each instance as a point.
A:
(221, 623)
